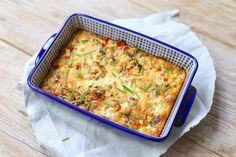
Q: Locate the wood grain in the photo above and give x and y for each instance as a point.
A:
(13, 119)
(25, 25)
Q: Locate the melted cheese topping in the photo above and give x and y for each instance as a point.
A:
(116, 81)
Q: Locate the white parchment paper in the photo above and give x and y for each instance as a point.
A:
(85, 137)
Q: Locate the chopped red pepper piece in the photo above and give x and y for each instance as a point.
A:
(71, 49)
(67, 57)
(121, 43)
(54, 92)
(126, 48)
(56, 66)
(105, 39)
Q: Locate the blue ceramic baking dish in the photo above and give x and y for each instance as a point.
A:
(52, 47)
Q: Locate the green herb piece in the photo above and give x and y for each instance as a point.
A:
(113, 74)
(140, 66)
(79, 74)
(126, 88)
(130, 104)
(72, 59)
(132, 82)
(67, 74)
(140, 61)
(96, 40)
(84, 40)
(135, 116)
(68, 65)
(73, 91)
(113, 59)
(89, 69)
(109, 105)
(168, 86)
(158, 92)
(120, 90)
(83, 96)
(86, 53)
(136, 95)
(89, 105)
(155, 120)
(146, 88)
(138, 49)
(65, 139)
(140, 69)
(62, 96)
(166, 69)
(102, 51)
(90, 56)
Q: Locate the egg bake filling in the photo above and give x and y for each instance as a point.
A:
(119, 82)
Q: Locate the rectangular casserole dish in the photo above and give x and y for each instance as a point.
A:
(177, 57)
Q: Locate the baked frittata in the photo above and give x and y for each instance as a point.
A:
(116, 81)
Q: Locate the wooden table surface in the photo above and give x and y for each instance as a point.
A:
(25, 25)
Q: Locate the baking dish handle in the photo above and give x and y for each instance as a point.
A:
(44, 48)
(186, 106)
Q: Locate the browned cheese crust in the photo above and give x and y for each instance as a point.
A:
(116, 81)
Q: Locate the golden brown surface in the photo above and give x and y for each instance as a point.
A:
(23, 22)
(116, 81)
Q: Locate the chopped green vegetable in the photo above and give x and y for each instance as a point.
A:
(96, 40)
(79, 74)
(139, 50)
(65, 139)
(132, 82)
(84, 40)
(83, 96)
(158, 92)
(90, 56)
(146, 88)
(89, 105)
(73, 91)
(140, 66)
(68, 65)
(140, 61)
(136, 94)
(109, 105)
(62, 96)
(140, 69)
(113, 59)
(102, 51)
(155, 120)
(72, 58)
(168, 86)
(135, 116)
(89, 69)
(113, 74)
(120, 90)
(130, 104)
(127, 89)
(67, 74)
(166, 69)
(86, 53)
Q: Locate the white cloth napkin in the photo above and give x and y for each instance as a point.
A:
(67, 133)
